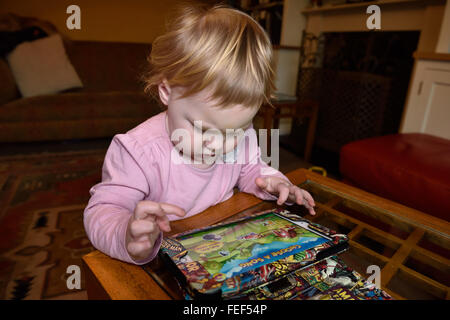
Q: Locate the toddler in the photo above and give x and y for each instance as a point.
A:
(212, 69)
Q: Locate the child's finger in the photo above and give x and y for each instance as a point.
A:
(146, 208)
(283, 193)
(309, 198)
(173, 209)
(302, 199)
(261, 182)
(310, 209)
(298, 196)
(163, 223)
(308, 202)
(141, 227)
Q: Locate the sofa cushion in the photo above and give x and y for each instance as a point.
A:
(412, 169)
(42, 67)
(73, 116)
(77, 105)
(8, 88)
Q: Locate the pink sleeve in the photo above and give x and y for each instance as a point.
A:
(113, 200)
(253, 168)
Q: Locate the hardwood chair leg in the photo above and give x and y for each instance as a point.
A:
(276, 120)
(268, 116)
(311, 131)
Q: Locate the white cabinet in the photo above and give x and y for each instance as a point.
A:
(428, 104)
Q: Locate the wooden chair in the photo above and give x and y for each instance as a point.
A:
(293, 109)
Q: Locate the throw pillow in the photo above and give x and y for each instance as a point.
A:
(42, 67)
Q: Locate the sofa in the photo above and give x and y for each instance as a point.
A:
(110, 101)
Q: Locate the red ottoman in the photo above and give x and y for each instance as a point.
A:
(412, 169)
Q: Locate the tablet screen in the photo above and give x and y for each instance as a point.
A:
(242, 246)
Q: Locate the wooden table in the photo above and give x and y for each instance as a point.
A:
(410, 247)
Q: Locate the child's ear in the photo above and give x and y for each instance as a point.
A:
(164, 91)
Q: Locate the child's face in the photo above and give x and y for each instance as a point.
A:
(197, 125)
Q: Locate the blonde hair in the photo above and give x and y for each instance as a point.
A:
(217, 47)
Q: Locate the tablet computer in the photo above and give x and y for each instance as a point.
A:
(226, 259)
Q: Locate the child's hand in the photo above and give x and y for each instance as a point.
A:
(148, 220)
(286, 191)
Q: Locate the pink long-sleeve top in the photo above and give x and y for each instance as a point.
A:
(140, 165)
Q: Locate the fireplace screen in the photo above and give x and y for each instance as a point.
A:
(360, 80)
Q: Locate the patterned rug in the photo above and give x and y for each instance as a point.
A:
(42, 198)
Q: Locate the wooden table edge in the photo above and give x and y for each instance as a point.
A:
(110, 274)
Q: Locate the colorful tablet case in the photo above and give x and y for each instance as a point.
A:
(225, 260)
